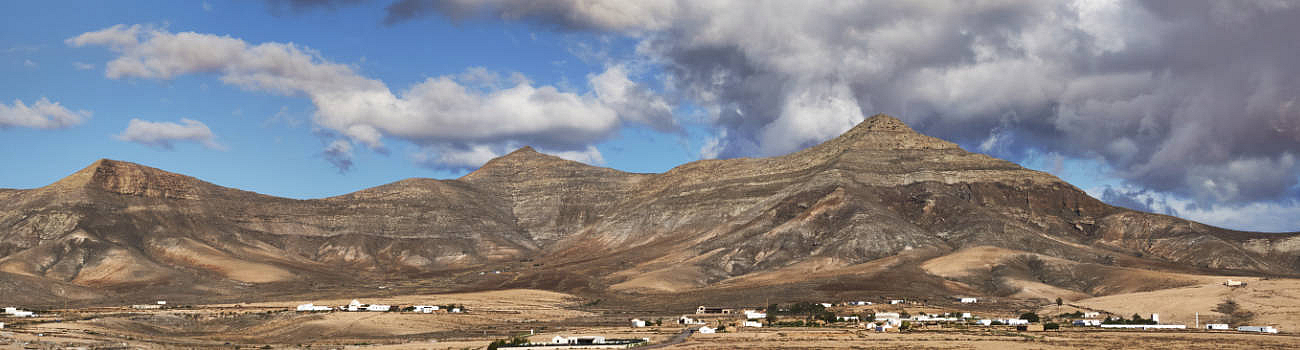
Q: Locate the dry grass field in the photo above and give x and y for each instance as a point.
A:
(500, 314)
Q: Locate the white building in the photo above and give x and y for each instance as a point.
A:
(456, 310)
(1087, 323)
(754, 315)
(708, 330)
(1015, 321)
(967, 300)
(638, 323)
(859, 303)
(16, 312)
(578, 340)
(827, 304)
(1232, 283)
(896, 301)
(428, 309)
(1217, 326)
(1257, 329)
(378, 307)
(884, 315)
(1091, 314)
(1155, 318)
(985, 322)
(966, 315)
(754, 324)
(688, 320)
(354, 306)
(311, 307)
(1145, 326)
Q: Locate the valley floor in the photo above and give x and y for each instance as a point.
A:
(501, 314)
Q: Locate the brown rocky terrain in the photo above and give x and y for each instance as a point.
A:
(880, 209)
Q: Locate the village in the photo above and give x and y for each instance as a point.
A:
(555, 321)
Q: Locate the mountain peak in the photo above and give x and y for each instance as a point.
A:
(883, 122)
(132, 179)
(882, 131)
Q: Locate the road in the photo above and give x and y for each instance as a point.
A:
(677, 339)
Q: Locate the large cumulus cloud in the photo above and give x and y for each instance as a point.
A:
(1193, 98)
(449, 116)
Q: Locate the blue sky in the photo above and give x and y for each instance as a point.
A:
(1142, 105)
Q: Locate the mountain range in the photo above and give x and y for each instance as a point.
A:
(879, 209)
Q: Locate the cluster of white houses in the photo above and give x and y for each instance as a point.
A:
(357, 306)
(891, 321)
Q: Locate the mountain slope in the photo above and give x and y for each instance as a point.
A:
(868, 208)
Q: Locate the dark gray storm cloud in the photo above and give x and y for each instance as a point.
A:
(1193, 98)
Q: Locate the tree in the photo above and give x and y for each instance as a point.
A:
(1029, 316)
(1236, 316)
(1058, 304)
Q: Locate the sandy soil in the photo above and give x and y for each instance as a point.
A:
(1275, 302)
(787, 338)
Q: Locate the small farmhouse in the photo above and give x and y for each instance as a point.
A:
(1257, 329)
(1218, 326)
(638, 323)
(427, 309)
(708, 330)
(754, 324)
(967, 300)
(704, 310)
(312, 308)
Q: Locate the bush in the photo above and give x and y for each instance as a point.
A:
(1051, 326)
(1029, 316)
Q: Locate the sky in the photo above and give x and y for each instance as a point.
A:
(1186, 108)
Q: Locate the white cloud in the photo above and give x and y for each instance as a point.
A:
(83, 66)
(459, 112)
(165, 135)
(41, 115)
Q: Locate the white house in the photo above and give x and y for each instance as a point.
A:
(985, 322)
(1145, 326)
(16, 312)
(754, 324)
(754, 315)
(1155, 318)
(708, 330)
(887, 315)
(638, 323)
(827, 304)
(967, 300)
(1258, 329)
(355, 305)
(311, 307)
(578, 340)
(1015, 321)
(1217, 326)
(896, 301)
(859, 303)
(688, 320)
(428, 309)
(1091, 314)
(1087, 323)
(966, 315)
(1232, 283)
(162, 302)
(456, 310)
